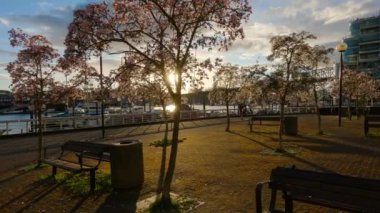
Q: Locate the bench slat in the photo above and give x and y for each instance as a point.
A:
(67, 165)
(326, 189)
(82, 146)
(336, 179)
(329, 195)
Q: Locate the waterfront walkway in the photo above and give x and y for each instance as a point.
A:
(21, 150)
(216, 167)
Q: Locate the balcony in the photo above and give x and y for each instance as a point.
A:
(350, 63)
(368, 70)
(371, 34)
(369, 42)
(370, 24)
(368, 50)
(370, 37)
(369, 59)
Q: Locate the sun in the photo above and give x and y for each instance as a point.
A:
(172, 78)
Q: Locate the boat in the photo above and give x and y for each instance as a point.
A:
(94, 108)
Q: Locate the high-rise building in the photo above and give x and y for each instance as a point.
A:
(363, 53)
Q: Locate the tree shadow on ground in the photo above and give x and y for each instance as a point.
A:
(312, 143)
(120, 201)
(43, 193)
(301, 160)
(329, 146)
(33, 193)
(266, 124)
(13, 177)
(265, 132)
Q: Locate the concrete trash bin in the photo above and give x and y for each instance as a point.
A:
(291, 125)
(127, 166)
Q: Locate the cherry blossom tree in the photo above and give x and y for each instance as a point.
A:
(227, 85)
(164, 35)
(288, 52)
(33, 72)
(140, 82)
(79, 74)
(357, 86)
(317, 59)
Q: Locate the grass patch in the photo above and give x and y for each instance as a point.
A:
(79, 184)
(286, 150)
(373, 135)
(178, 204)
(161, 143)
(187, 204)
(160, 207)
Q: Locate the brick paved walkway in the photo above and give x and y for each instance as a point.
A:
(22, 150)
(218, 168)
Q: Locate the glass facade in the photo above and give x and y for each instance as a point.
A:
(363, 53)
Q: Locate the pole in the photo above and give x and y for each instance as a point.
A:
(101, 93)
(340, 88)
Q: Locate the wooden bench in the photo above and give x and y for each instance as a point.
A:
(371, 121)
(324, 189)
(83, 151)
(290, 123)
(261, 118)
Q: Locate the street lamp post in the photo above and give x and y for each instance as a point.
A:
(341, 48)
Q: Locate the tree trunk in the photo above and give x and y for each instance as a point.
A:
(173, 151)
(32, 123)
(349, 108)
(281, 130)
(73, 114)
(357, 108)
(39, 111)
(163, 157)
(317, 111)
(242, 113)
(228, 117)
(204, 106)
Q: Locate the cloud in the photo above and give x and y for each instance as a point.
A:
(53, 27)
(4, 77)
(295, 8)
(4, 21)
(344, 11)
(255, 46)
(7, 53)
(52, 22)
(327, 19)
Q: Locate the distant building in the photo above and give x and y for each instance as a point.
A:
(5, 99)
(363, 53)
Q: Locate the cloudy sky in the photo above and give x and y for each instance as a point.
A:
(327, 19)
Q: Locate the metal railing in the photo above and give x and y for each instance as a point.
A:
(22, 126)
(49, 124)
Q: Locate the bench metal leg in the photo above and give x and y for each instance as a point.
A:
(54, 171)
(259, 189)
(288, 203)
(273, 198)
(259, 207)
(92, 180)
(250, 127)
